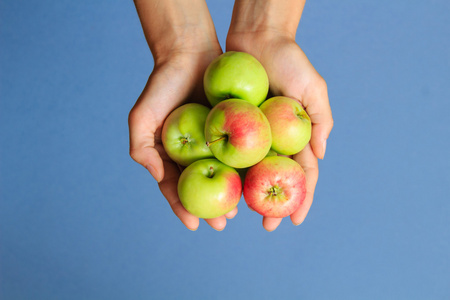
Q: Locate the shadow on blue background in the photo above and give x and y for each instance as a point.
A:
(80, 220)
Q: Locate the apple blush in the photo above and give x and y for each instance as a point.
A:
(208, 188)
(238, 133)
(275, 187)
(289, 123)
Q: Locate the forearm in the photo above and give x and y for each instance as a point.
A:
(176, 25)
(254, 16)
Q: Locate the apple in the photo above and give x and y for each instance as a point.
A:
(238, 133)
(183, 134)
(290, 124)
(236, 75)
(208, 188)
(243, 172)
(275, 187)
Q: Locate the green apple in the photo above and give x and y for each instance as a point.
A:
(236, 75)
(289, 123)
(238, 133)
(208, 188)
(183, 134)
(275, 187)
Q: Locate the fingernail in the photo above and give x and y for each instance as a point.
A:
(154, 173)
(296, 224)
(324, 146)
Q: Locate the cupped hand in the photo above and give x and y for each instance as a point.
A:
(291, 74)
(175, 80)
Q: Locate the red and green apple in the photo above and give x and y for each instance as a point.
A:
(289, 123)
(208, 188)
(275, 187)
(238, 133)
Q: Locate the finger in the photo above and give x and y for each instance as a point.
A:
(218, 223)
(318, 108)
(231, 214)
(308, 161)
(270, 224)
(142, 142)
(168, 187)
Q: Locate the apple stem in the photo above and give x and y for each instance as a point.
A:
(185, 140)
(273, 191)
(215, 141)
(211, 172)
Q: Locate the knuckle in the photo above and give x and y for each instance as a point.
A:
(132, 115)
(134, 154)
(321, 85)
(331, 122)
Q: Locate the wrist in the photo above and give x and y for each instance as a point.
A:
(186, 41)
(177, 26)
(253, 17)
(256, 43)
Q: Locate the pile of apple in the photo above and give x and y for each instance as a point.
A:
(244, 137)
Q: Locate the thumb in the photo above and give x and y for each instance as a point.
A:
(163, 92)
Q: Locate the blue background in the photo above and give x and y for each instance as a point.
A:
(80, 220)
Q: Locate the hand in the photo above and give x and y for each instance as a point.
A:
(291, 74)
(183, 42)
(168, 87)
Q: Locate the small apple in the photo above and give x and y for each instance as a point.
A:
(236, 75)
(183, 134)
(238, 133)
(275, 187)
(243, 172)
(271, 153)
(208, 188)
(289, 123)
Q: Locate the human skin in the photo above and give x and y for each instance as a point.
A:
(267, 29)
(182, 39)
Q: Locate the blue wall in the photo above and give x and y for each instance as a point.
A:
(80, 220)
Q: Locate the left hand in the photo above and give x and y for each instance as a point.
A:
(291, 74)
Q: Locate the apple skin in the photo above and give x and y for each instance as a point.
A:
(238, 133)
(243, 172)
(289, 123)
(183, 134)
(275, 187)
(236, 75)
(208, 188)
